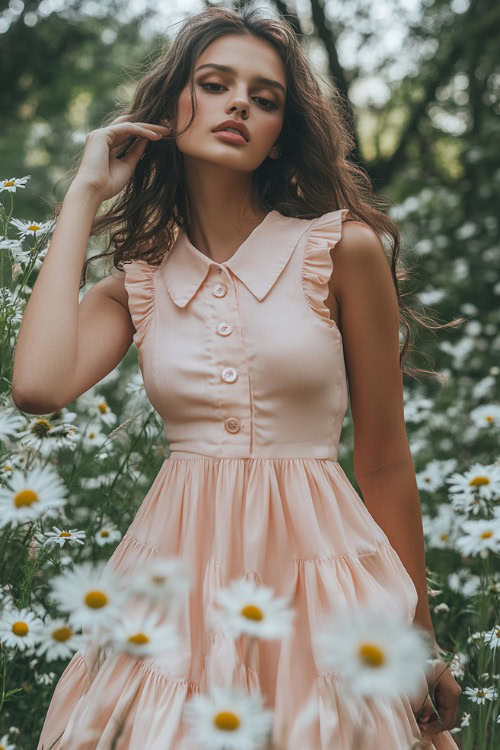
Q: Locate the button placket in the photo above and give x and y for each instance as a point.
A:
(228, 374)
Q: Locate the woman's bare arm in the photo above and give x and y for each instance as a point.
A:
(63, 347)
(383, 463)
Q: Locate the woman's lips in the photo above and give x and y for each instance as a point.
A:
(225, 135)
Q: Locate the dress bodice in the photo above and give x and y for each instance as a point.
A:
(242, 359)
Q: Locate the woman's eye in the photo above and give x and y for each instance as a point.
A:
(269, 103)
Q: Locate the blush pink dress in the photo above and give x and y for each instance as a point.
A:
(245, 366)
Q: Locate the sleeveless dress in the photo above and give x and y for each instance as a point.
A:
(246, 368)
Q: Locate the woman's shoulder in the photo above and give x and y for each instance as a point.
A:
(359, 252)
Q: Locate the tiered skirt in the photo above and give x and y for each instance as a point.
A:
(295, 524)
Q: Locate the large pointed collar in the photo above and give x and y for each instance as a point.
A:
(258, 262)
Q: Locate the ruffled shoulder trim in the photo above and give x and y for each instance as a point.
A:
(324, 233)
(139, 284)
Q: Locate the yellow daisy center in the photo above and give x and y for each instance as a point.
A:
(139, 638)
(481, 692)
(20, 628)
(158, 579)
(227, 721)
(7, 183)
(41, 427)
(478, 481)
(66, 534)
(486, 534)
(91, 434)
(6, 467)
(252, 612)
(489, 418)
(25, 498)
(103, 407)
(62, 634)
(96, 599)
(443, 537)
(34, 227)
(104, 532)
(371, 655)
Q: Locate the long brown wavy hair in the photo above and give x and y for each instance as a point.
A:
(312, 177)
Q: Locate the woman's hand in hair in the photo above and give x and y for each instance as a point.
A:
(99, 169)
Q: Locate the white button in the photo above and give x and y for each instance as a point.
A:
(224, 329)
(219, 290)
(232, 424)
(229, 374)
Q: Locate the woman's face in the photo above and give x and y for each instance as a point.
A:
(223, 95)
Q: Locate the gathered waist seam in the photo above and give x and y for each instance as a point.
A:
(179, 455)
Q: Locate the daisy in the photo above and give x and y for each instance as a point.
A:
(144, 635)
(492, 637)
(20, 627)
(374, 653)
(15, 247)
(480, 479)
(46, 678)
(465, 583)
(480, 537)
(162, 581)
(5, 744)
(440, 531)
(478, 635)
(481, 694)
(58, 640)
(434, 474)
(487, 415)
(465, 720)
(457, 665)
(13, 183)
(93, 438)
(26, 228)
(96, 405)
(228, 720)
(46, 436)
(483, 387)
(252, 610)
(60, 536)
(10, 423)
(6, 470)
(93, 595)
(29, 496)
(107, 534)
(467, 504)
(417, 409)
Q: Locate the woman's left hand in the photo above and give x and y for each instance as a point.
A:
(445, 693)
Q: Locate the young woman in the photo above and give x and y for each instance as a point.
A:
(249, 347)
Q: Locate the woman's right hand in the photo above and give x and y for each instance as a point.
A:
(99, 169)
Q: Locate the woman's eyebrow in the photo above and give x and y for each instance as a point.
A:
(230, 69)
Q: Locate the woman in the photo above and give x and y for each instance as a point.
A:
(249, 347)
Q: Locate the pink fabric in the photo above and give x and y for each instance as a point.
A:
(252, 488)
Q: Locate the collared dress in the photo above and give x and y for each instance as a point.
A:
(245, 366)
